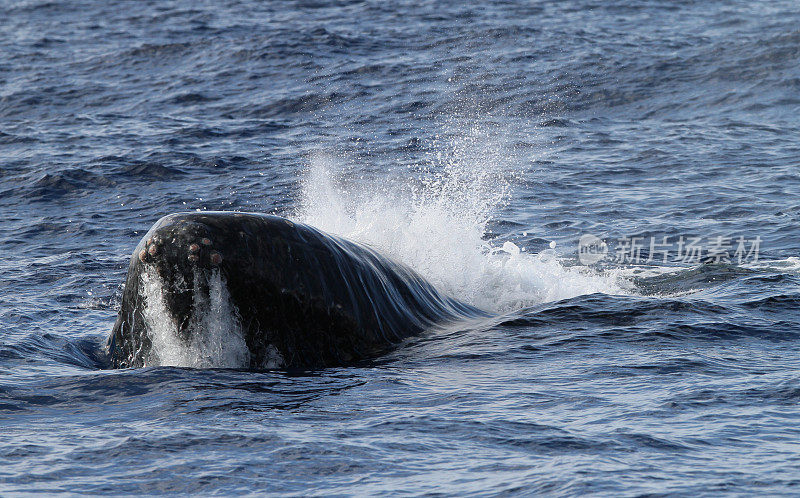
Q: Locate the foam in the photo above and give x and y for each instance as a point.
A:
(216, 338)
(435, 223)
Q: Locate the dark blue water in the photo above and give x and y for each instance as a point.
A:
(439, 134)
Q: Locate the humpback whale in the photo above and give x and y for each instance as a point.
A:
(307, 298)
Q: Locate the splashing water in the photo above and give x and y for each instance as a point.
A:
(215, 340)
(437, 226)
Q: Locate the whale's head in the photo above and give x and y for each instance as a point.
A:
(289, 289)
(178, 267)
(178, 255)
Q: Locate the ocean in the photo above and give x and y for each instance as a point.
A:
(615, 183)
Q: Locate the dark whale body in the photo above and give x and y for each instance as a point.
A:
(316, 299)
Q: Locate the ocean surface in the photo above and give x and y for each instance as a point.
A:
(617, 183)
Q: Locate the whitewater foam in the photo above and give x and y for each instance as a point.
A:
(436, 222)
(215, 337)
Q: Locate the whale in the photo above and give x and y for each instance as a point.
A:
(299, 297)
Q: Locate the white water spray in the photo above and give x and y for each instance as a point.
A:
(437, 227)
(215, 339)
